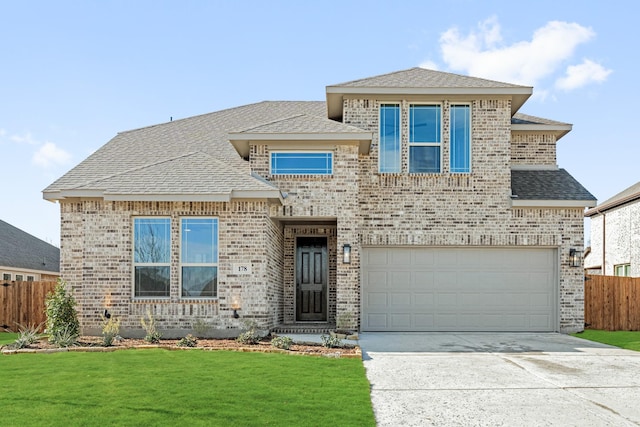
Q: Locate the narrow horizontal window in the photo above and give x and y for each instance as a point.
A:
(301, 163)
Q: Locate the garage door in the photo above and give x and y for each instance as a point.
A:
(461, 289)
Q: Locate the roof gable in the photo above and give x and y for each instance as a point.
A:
(627, 195)
(421, 81)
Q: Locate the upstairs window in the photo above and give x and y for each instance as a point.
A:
(390, 157)
(30, 278)
(301, 163)
(19, 278)
(199, 257)
(460, 139)
(425, 131)
(6, 276)
(152, 257)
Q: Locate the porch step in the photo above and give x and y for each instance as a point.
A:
(313, 328)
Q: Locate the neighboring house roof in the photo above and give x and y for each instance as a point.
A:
(152, 160)
(298, 128)
(548, 187)
(21, 250)
(524, 122)
(420, 81)
(628, 195)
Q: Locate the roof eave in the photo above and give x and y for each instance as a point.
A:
(519, 94)
(240, 140)
(540, 203)
(559, 130)
(614, 204)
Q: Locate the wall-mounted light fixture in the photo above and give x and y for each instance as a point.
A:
(346, 254)
(106, 314)
(235, 306)
(575, 257)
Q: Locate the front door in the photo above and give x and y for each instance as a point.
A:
(311, 279)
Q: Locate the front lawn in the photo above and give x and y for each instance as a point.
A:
(191, 387)
(7, 337)
(623, 339)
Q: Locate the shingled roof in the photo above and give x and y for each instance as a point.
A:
(421, 81)
(21, 250)
(548, 185)
(191, 156)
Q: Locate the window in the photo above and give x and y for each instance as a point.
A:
(309, 163)
(19, 278)
(622, 270)
(424, 138)
(460, 139)
(199, 257)
(152, 257)
(29, 278)
(6, 276)
(390, 157)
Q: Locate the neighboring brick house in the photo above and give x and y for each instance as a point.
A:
(411, 201)
(615, 235)
(24, 257)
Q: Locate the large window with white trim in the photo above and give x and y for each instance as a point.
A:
(390, 150)
(460, 138)
(301, 163)
(199, 257)
(152, 257)
(425, 135)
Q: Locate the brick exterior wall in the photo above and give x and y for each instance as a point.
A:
(622, 239)
(533, 149)
(96, 253)
(468, 209)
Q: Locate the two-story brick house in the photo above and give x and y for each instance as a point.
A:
(412, 201)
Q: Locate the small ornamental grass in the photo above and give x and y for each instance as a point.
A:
(331, 341)
(188, 341)
(149, 324)
(110, 330)
(27, 335)
(283, 343)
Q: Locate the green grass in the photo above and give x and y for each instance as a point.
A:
(623, 339)
(162, 387)
(7, 337)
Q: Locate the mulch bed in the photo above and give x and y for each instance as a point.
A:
(93, 344)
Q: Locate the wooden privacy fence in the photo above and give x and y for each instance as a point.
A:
(23, 303)
(612, 303)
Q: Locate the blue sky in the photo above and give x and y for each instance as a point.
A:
(73, 74)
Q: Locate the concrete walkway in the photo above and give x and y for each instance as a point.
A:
(500, 379)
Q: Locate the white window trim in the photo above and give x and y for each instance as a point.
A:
(399, 105)
(213, 264)
(134, 264)
(424, 144)
(303, 152)
(624, 267)
(453, 104)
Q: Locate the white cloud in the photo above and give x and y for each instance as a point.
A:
(24, 139)
(482, 53)
(429, 65)
(581, 75)
(50, 154)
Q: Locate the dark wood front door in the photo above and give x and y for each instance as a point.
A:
(311, 279)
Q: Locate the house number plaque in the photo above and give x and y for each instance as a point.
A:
(241, 268)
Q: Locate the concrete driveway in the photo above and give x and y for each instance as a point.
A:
(500, 379)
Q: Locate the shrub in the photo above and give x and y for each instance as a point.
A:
(62, 318)
(331, 341)
(188, 341)
(250, 334)
(110, 330)
(149, 325)
(27, 335)
(282, 342)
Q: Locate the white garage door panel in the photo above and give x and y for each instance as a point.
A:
(460, 289)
